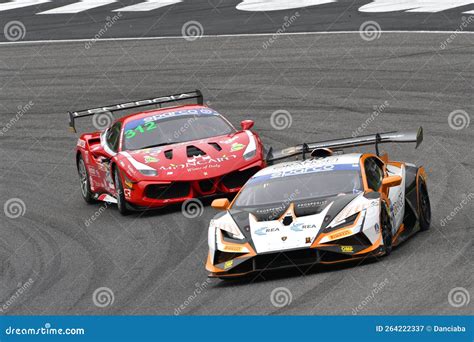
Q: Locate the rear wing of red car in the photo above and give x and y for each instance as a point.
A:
(196, 94)
(338, 144)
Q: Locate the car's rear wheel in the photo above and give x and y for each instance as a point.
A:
(386, 227)
(424, 206)
(121, 201)
(86, 192)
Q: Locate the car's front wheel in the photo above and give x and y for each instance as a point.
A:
(424, 206)
(121, 201)
(386, 227)
(86, 192)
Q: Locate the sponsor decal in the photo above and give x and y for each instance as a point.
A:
(265, 230)
(311, 204)
(299, 227)
(236, 147)
(347, 249)
(199, 163)
(150, 159)
(228, 264)
(127, 193)
(283, 238)
(237, 249)
(81, 143)
(308, 240)
(199, 111)
(340, 234)
(377, 228)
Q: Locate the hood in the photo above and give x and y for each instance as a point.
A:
(302, 222)
(194, 160)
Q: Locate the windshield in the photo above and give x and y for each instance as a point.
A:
(263, 190)
(169, 128)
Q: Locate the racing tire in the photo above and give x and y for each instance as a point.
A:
(86, 192)
(424, 206)
(386, 227)
(121, 201)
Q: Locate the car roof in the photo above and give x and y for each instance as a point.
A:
(351, 159)
(200, 110)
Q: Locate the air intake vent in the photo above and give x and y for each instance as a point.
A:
(193, 151)
(168, 154)
(216, 146)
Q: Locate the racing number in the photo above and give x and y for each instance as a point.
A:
(149, 126)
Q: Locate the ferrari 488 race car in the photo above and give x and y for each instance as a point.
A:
(329, 208)
(166, 155)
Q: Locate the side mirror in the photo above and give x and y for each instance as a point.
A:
(392, 181)
(220, 204)
(246, 124)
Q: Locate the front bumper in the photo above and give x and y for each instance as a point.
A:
(226, 266)
(153, 194)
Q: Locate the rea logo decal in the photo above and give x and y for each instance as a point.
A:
(265, 230)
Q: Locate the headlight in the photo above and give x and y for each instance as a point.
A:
(149, 172)
(250, 155)
(346, 217)
(229, 229)
(251, 149)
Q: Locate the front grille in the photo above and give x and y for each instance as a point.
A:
(284, 259)
(238, 178)
(168, 191)
(206, 185)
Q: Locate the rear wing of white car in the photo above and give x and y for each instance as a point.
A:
(338, 144)
(196, 94)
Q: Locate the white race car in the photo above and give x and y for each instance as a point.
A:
(329, 208)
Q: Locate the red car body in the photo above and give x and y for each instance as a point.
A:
(157, 176)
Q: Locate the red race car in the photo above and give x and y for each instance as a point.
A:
(166, 155)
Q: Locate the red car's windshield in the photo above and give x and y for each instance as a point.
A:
(174, 127)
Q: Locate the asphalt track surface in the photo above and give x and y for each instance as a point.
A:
(154, 262)
(220, 17)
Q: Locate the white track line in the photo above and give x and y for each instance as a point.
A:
(85, 40)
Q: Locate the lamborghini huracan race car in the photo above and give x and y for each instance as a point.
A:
(166, 155)
(328, 208)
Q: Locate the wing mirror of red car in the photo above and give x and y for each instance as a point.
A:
(220, 204)
(391, 181)
(246, 124)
